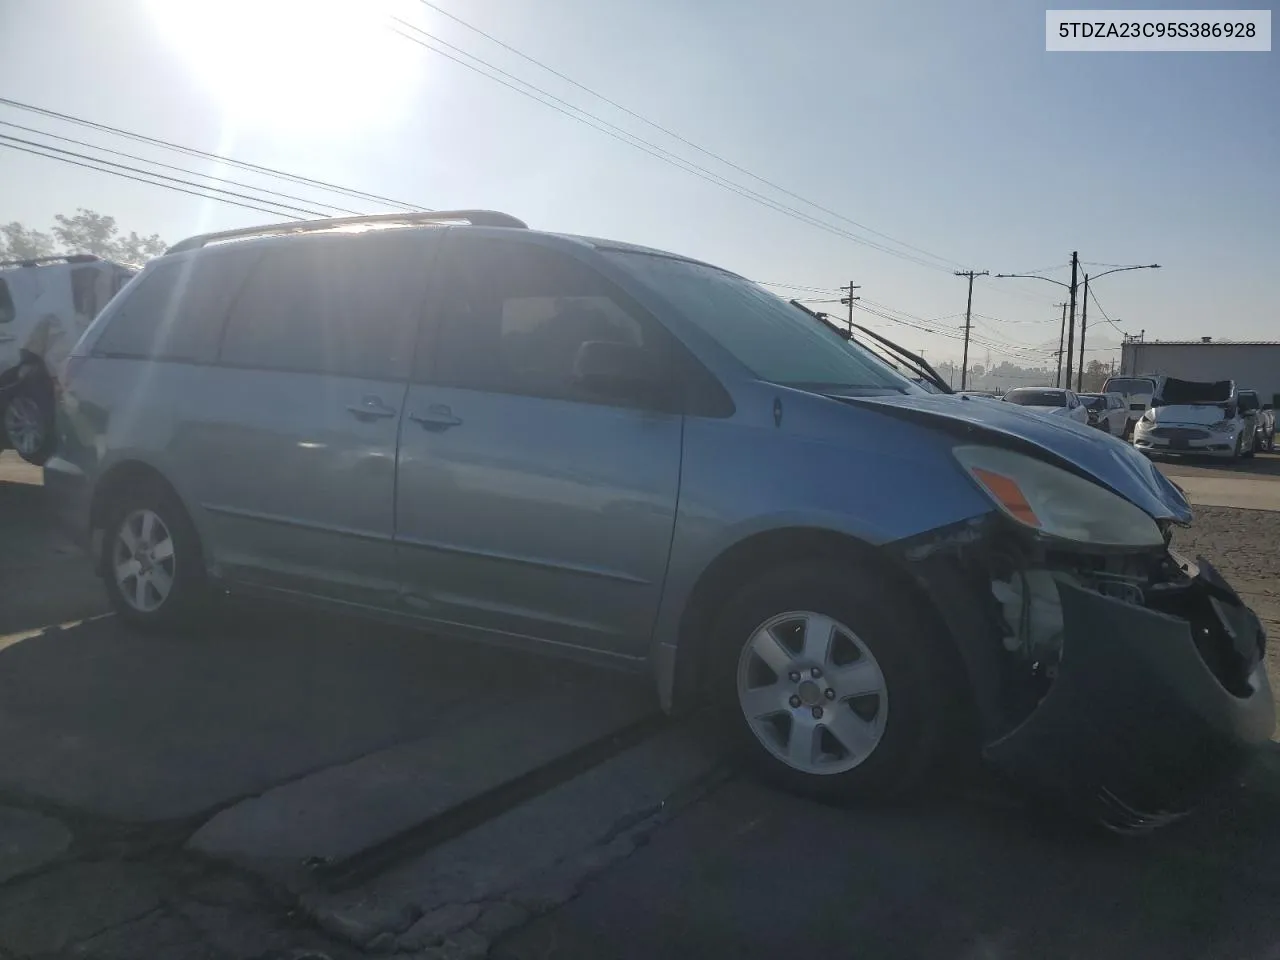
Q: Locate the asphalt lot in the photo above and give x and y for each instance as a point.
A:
(218, 796)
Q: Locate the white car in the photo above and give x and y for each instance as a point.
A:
(45, 305)
(1191, 416)
(1107, 411)
(1137, 393)
(1051, 401)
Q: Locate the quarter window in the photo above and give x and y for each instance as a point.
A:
(177, 309)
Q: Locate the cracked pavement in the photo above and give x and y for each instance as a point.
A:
(282, 787)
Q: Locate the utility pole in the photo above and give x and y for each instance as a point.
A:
(849, 300)
(1071, 314)
(1084, 313)
(1062, 333)
(968, 319)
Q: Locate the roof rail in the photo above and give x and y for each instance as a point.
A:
(477, 218)
(57, 258)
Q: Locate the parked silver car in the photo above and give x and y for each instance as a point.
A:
(623, 455)
(1107, 411)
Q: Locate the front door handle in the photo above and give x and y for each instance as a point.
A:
(437, 417)
(371, 408)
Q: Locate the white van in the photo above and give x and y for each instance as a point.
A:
(45, 305)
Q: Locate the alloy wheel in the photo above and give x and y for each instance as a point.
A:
(24, 424)
(143, 561)
(812, 693)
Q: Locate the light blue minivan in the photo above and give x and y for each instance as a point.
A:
(623, 455)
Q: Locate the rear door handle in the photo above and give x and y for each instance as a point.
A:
(437, 417)
(371, 408)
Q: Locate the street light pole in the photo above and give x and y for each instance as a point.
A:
(1084, 314)
(1071, 313)
(1069, 321)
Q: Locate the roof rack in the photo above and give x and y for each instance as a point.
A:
(57, 258)
(477, 218)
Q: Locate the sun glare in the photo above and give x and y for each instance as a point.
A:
(293, 63)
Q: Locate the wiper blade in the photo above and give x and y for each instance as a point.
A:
(915, 362)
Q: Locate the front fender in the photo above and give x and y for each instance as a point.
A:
(854, 472)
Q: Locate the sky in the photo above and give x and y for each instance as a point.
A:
(942, 125)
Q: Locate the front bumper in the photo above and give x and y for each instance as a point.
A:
(69, 494)
(1136, 727)
(1212, 444)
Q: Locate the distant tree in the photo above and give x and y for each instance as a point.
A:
(1095, 375)
(977, 370)
(136, 249)
(19, 243)
(86, 232)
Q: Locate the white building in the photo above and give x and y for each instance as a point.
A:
(1252, 364)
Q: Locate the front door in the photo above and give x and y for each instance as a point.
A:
(526, 507)
(294, 442)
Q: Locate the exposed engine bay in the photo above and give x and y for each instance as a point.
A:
(1026, 590)
(1120, 684)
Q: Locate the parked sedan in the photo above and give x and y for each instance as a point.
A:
(1053, 401)
(1197, 417)
(1107, 411)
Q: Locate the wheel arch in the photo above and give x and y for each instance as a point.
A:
(761, 552)
(116, 480)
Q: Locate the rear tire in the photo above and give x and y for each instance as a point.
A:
(28, 421)
(873, 720)
(153, 565)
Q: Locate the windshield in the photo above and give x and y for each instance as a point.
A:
(774, 340)
(1037, 398)
(1129, 385)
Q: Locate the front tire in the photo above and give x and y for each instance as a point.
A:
(833, 683)
(152, 562)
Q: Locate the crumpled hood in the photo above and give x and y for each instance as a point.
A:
(1084, 449)
(1193, 414)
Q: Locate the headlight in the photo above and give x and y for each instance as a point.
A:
(1054, 502)
(1224, 426)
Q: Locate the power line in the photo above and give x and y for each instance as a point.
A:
(193, 151)
(1094, 295)
(170, 166)
(675, 136)
(795, 286)
(160, 176)
(639, 143)
(116, 173)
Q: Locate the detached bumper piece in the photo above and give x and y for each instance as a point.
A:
(1152, 708)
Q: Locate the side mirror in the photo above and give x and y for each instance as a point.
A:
(621, 371)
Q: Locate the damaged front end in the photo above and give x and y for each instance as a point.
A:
(1138, 683)
(1116, 680)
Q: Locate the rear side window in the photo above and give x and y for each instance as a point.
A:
(514, 315)
(177, 310)
(330, 305)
